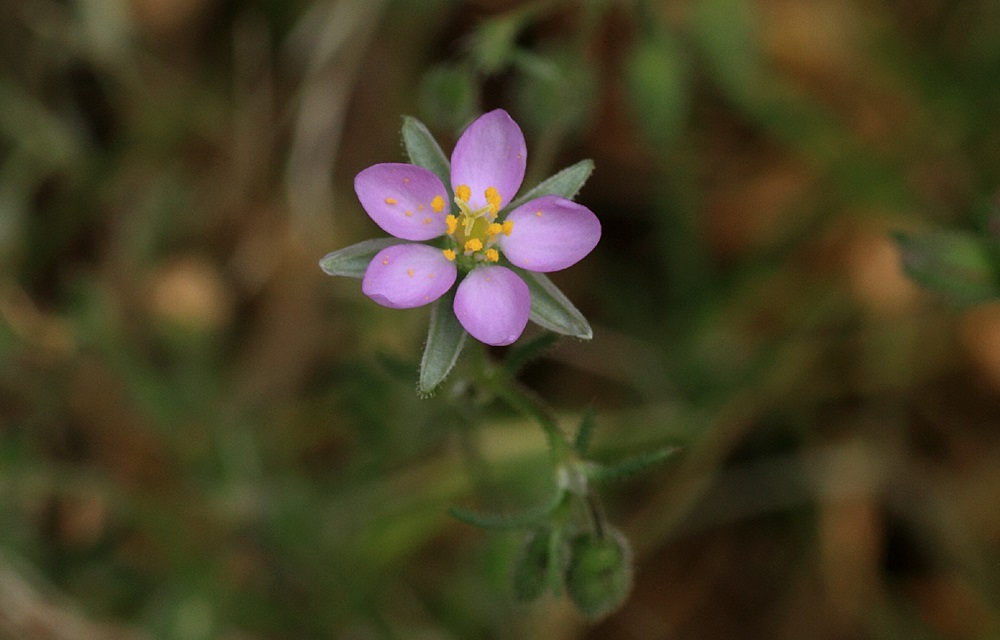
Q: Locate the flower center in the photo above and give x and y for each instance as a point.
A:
(475, 231)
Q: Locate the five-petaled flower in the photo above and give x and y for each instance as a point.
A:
(492, 302)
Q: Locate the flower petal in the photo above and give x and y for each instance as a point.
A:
(408, 275)
(493, 305)
(490, 153)
(407, 201)
(550, 233)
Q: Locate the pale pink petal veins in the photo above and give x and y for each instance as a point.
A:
(407, 201)
(550, 233)
(408, 275)
(490, 153)
(493, 304)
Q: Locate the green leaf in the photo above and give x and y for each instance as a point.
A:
(424, 151)
(526, 351)
(501, 522)
(493, 41)
(630, 466)
(956, 264)
(448, 96)
(445, 340)
(567, 183)
(555, 91)
(725, 32)
(582, 440)
(550, 308)
(657, 77)
(352, 261)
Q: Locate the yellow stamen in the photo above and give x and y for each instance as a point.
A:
(463, 192)
(494, 229)
(390, 201)
(437, 204)
(508, 226)
(448, 253)
(473, 245)
(493, 199)
(452, 223)
(492, 255)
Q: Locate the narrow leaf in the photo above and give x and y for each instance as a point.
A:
(582, 441)
(630, 466)
(424, 151)
(525, 351)
(352, 261)
(550, 308)
(567, 183)
(445, 340)
(500, 522)
(955, 264)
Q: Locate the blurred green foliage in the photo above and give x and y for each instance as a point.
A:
(202, 436)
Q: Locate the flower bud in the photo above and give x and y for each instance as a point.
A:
(531, 570)
(599, 576)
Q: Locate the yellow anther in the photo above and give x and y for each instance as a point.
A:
(437, 204)
(493, 199)
(538, 214)
(508, 226)
(463, 192)
(494, 229)
(409, 214)
(449, 253)
(492, 255)
(452, 223)
(475, 244)
(385, 260)
(390, 201)
(428, 220)
(409, 272)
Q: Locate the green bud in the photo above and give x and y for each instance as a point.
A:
(531, 571)
(599, 575)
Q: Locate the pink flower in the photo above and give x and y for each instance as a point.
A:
(492, 302)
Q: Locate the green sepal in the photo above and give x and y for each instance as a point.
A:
(352, 261)
(567, 183)
(551, 309)
(505, 522)
(630, 466)
(424, 151)
(582, 440)
(956, 264)
(445, 340)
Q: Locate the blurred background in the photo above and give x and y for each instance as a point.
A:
(202, 436)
